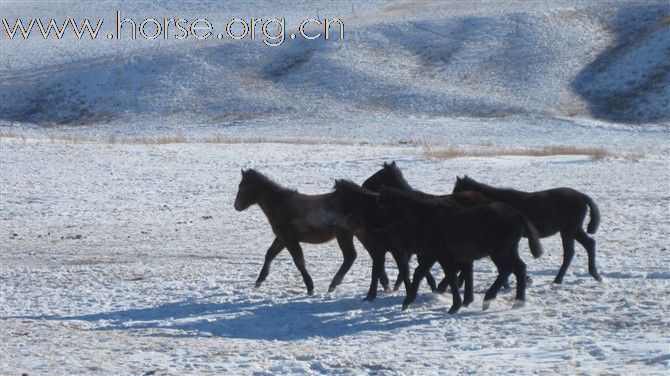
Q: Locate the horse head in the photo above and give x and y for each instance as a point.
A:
(247, 191)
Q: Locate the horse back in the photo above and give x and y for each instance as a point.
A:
(312, 218)
(549, 210)
(473, 233)
(469, 198)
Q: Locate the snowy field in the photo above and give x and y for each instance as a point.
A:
(129, 259)
(121, 253)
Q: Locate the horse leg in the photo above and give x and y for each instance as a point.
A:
(452, 279)
(431, 282)
(468, 294)
(371, 248)
(402, 260)
(346, 243)
(492, 292)
(377, 262)
(429, 277)
(425, 263)
(276, 247)
(442, 287)
(296, 253)
(463, 279)
(590, 245)
(520, 274)
(568, 253)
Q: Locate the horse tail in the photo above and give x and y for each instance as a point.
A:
(533, 238)
(595, 215)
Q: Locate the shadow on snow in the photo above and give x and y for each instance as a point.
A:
(295, 319)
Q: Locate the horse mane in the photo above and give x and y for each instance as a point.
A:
(395, 171)
(413, 197)
(260, 179)
(472, 182)
(350, 185)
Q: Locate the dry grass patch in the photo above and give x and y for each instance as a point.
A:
(594, 154)
(162, 140)
(113, 139)
(425, 148)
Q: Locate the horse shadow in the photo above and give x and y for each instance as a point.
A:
(293, 319)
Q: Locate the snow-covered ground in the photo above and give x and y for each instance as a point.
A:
(111, 264)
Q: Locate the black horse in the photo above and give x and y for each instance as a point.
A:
(390, 175)
(555, 210)
(296, 218)
(384, 234)
(458, 236)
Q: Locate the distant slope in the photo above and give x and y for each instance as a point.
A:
(607, 61)
(630, 81)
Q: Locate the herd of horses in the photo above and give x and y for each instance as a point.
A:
(386, 214)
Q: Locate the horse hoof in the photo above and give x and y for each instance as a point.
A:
(518, 304)
(331, 288)
(405, 306)
(386, 287)
(310, 292)
(467, 302)
(453, 310)
(597, 277)
(558, 281)
(258, 284)
(369, 298)
(486, 305)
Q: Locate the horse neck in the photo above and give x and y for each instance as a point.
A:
(362, 201)
(271, 195)
(488, 191)
(411, 212)
(398, 181)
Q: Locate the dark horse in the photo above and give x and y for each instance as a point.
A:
(385, 234)
(390, 175)
(455, 237)
(555, 210)
(296, 218)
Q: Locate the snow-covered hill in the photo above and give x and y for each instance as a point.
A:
(436, 59)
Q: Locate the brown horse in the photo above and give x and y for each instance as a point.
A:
(555, 210)
(298, 218)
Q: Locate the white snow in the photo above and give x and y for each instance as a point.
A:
(152, 285)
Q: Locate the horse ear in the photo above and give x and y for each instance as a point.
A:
(393, 163)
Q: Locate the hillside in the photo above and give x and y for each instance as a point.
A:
(437, 59)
